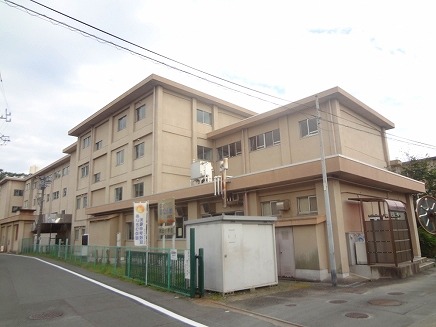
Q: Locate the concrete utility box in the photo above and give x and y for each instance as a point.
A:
(240, 251)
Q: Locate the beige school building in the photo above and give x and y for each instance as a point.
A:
(161, 140)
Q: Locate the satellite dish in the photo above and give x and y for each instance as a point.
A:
(426, 213)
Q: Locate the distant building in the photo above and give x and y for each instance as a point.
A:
(150, 143)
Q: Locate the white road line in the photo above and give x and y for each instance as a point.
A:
(130, 296)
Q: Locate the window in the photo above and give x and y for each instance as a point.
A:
(129, 231)
(308, 127)
(57, 174)
(27, 186)
(138, 189)
(140, 113)
(98, 145)
(120, 157)
(204, 153)
(86, 142)
(26, 203)
(48, 197)
(265, 140)
(122, 123)
(65, 171)
(269, 208)
(118, 193)
(307, 205)
(139, 150)
(76, 234)
(55, 195)
(229, 150)
(16, 208)
(64, 192)
(84, 171)
(204, 117)
(85, 200)
(97, 177)
(18, 192)
(78, 200)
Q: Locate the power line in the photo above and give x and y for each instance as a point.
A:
(124, 48)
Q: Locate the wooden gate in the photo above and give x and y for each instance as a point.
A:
(387, 232)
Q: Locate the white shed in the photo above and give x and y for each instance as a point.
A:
(240, 251)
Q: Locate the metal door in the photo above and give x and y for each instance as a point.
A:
(285, 252)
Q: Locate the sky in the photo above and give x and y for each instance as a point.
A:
(53, 77)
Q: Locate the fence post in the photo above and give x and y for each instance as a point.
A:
(201, 271)
(168, 253)
(193, 266)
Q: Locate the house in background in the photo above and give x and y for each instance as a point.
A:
(161, 140)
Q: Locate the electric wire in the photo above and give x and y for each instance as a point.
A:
(124, 48)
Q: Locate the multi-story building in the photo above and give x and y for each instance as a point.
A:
(150, 143)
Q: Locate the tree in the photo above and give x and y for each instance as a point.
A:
(423, 170)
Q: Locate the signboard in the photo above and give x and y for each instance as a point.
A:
(173, 253)
(140, 223)
(166, 215)
(187, 264)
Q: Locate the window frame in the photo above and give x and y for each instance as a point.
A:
(309, 199)
(203, 150)
(122, 123)
(139, 150)
(204, 117)
(98, 145)
(306, 129)
(84, 171)
(97, 177)
(86, 142)
(265, 140)
(140, 113)
(118, 194)
(119, 157)
(138, 192)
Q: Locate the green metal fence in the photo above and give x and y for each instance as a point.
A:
(163, 268)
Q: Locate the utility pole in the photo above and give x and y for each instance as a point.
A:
(328, 213)
(43, 183)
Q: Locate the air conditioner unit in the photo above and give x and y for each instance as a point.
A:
(283, 205)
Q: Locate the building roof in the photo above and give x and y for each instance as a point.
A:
(144, 87)
(309, 102)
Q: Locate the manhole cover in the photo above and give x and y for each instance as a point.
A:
(395, 293)
(357, 315)
(337, 301)
(291, 305)
(385, 302)
(45, 315)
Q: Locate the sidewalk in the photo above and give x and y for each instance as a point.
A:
(353, 302)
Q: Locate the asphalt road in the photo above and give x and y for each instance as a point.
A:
(38, 293)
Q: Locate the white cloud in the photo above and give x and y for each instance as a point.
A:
(380, 52)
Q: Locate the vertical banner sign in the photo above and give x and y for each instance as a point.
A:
(166, 215)
(140, 223)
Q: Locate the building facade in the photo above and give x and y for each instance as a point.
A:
(148, 144)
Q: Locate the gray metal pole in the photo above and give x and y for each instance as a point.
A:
(328, 213)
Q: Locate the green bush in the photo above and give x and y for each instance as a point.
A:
(427, 242)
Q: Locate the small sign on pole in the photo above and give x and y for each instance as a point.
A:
(173, 253)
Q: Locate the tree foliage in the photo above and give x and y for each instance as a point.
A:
(423, 170)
